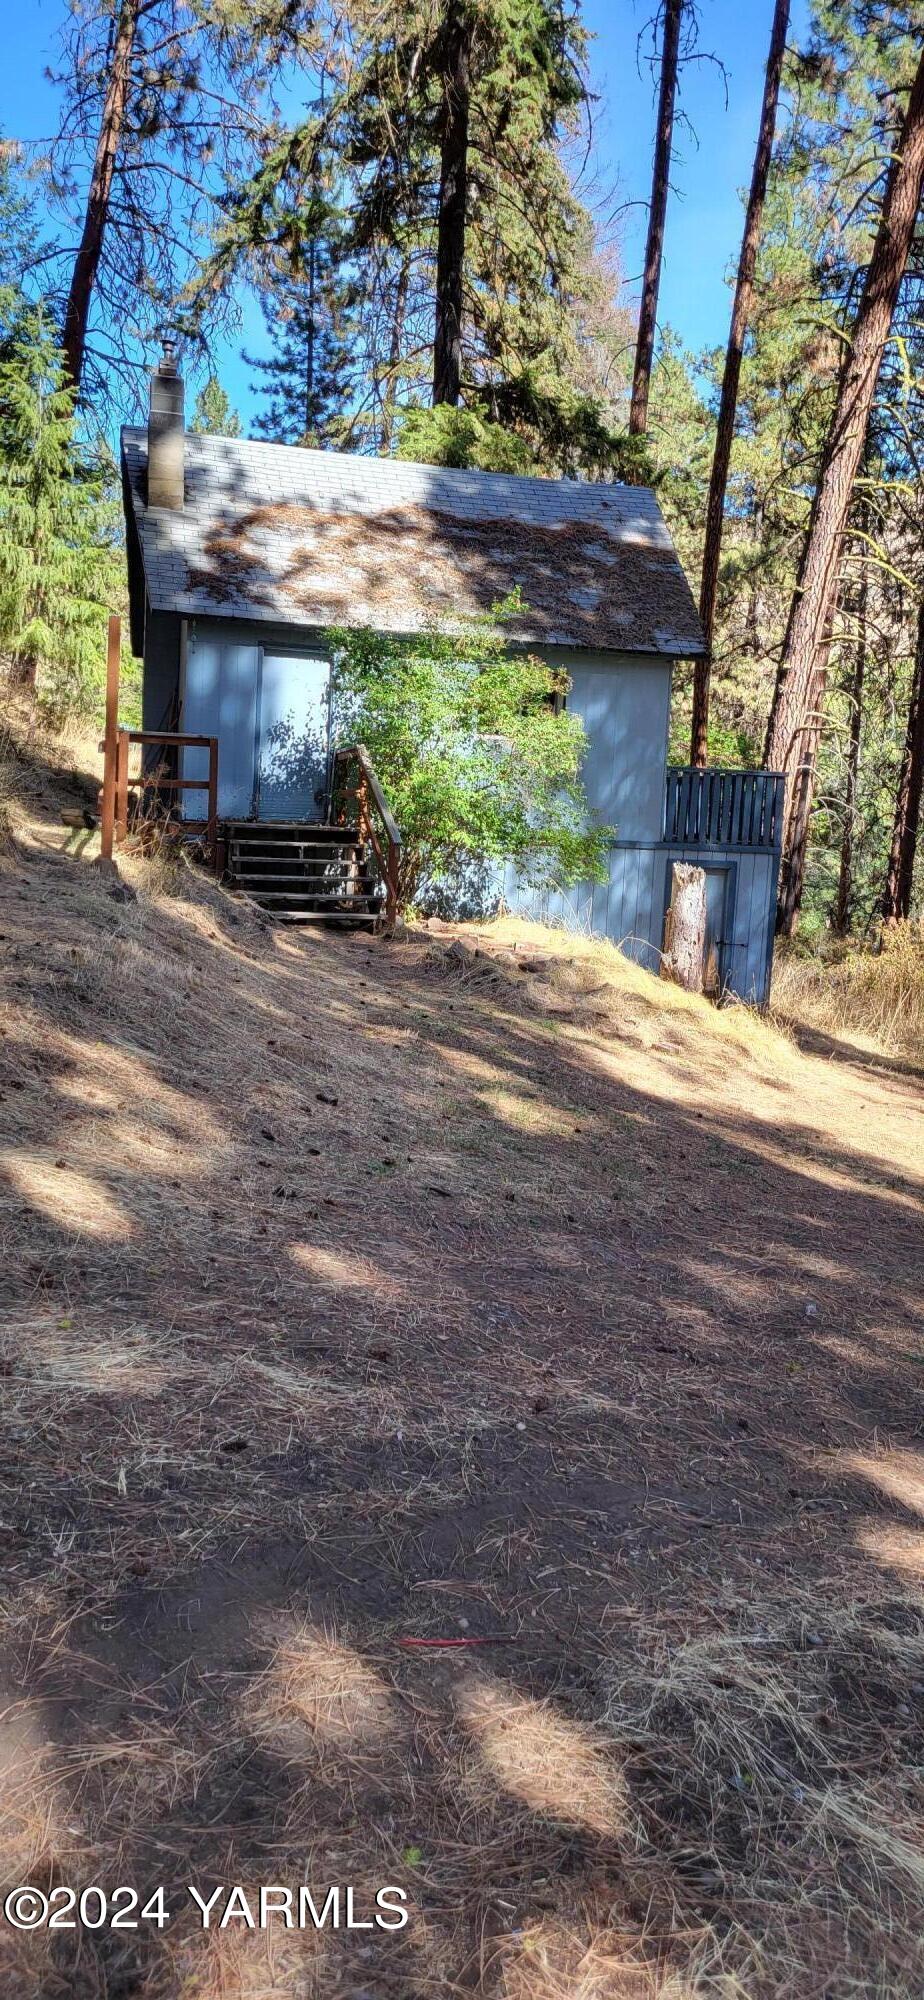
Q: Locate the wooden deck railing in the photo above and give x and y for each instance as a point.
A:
(724, 808)
(355, 780)
(122, 782)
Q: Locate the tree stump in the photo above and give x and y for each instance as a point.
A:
(684, 959)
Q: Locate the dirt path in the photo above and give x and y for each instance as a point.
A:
(469, 1289)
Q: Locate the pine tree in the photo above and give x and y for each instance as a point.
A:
(795, 727)
(896, 901)
(212, 412)
(657, 213)
(59, 568)
(163, 107)
(514, 320)
(731, 377)
(21, 244)
(309, 376)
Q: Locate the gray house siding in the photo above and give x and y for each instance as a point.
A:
(623, 700)
(630, 906)
(160, 688)
(211, 682)
(219, 698)
(625, 706)
(624, 703)
(202, 676)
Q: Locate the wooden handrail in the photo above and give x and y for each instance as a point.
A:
(107, 795)
(372, 778)
(171, 739)
(120, 782)
(369, 787)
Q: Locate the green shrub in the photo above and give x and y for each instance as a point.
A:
(477, 752)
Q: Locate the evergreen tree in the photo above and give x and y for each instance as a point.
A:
(672, 12)
(731, 376)
(309, 376)
(164, 106)
(794, 728)
(20, 234)
(212, 412)
(59, 567)
(514, 321)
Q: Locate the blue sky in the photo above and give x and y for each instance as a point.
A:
(704, 218)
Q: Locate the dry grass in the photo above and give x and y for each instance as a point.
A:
(780, 1769)
(876, 997)
(477, 1287)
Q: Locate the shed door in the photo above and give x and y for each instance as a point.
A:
(716, 937)
(293, 742)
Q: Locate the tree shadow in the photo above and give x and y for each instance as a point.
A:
(355, 1297)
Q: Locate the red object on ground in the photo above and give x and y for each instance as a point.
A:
(497, 1639)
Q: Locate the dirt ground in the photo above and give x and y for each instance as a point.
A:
(469, 1287)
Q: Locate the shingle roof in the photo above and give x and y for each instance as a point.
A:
(321, 538)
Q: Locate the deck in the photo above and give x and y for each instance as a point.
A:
(737, 809)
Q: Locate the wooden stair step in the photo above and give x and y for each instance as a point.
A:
(308, 896)
(333, 871)
(306, 861)
(295, 850)
(281, 829)
(324, 916)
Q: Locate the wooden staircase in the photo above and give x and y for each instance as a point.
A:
(303, 874)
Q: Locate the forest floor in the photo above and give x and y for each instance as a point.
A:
(471, 1287)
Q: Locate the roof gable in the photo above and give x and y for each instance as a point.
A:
(324, 538)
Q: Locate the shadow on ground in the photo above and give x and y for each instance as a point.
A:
(360, 1294)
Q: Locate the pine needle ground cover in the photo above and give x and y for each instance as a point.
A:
(476, 1287)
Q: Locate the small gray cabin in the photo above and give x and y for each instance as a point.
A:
(241, 555)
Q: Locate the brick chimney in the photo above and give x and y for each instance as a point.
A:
(166, 431)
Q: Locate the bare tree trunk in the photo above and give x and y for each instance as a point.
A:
(793, 737)
(684, 959)
(96, 215)
(896, 901)
(24, 672)
(840, 915)
(728, 404)
(390, 398)
(660, 184)
(453, 197)
(310, 337)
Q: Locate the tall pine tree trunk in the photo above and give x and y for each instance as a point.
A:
(741, 311)
(840, 918)
(660, 184)
(453, 196)
(96, 215)
(793, 738)
(896, 901)
(395, 346)
(309, 341)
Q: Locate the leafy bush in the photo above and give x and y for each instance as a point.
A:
(477, 752)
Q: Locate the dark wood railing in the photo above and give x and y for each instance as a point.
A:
(724, 808)
(119, 784)
(355, 781)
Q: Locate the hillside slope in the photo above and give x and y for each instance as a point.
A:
(470, 1287)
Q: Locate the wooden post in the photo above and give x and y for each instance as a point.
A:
(212, 828)
(121, 802)
(110, 741)
(684, 958)
(391, 887)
